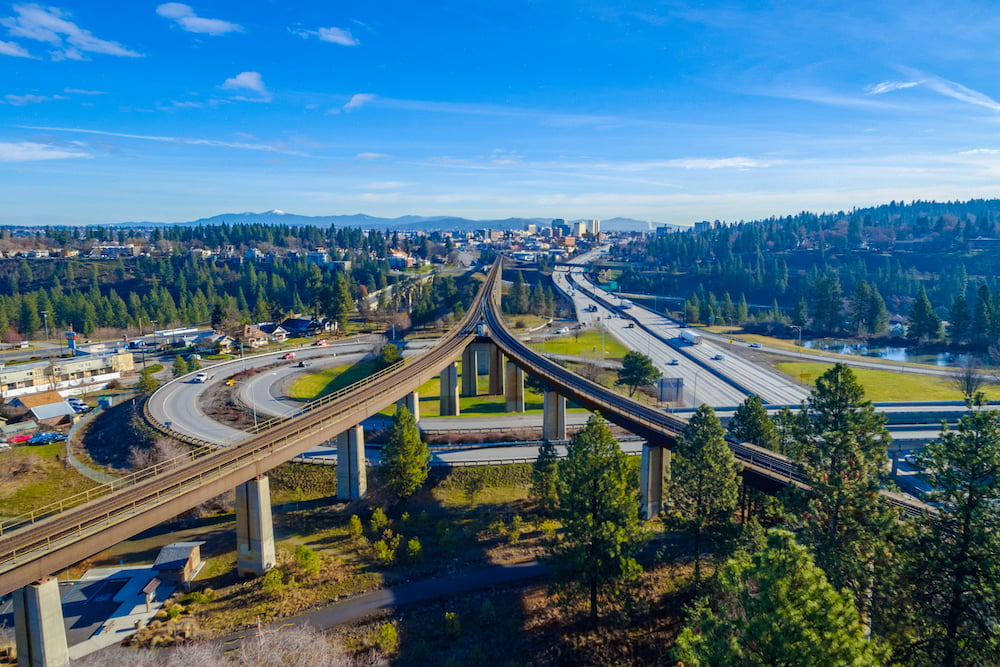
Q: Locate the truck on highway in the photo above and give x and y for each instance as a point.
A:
(625, 303)
(692, 337)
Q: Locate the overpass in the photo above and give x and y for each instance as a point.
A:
(56, 536)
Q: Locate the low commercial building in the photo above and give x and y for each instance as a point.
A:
(61, 374)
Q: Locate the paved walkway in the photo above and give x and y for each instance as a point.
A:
(365, 605)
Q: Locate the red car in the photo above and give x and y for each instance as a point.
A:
(290, 355)
(18, 439)
(320, 343)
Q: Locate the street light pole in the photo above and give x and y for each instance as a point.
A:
(794, 326)
(45, 315)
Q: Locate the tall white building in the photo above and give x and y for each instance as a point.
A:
(594, 227)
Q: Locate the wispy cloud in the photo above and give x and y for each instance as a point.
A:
(185, 17)
(890, 86)
(251, 81)
(371, 156)
(332, 35)
(718, 163)
(81, 91)
(24, 100)
(29, 151)
(14, 49)
(357, 101)
(52, 26)
(981, 151)
(268, 148)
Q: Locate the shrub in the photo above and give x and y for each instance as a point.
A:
(514, 532)
(387, 638)
(354, 526)
(173, 612)
(201, 597)
(307, 560)
(549, 528)
(379, 521)
(452, 624)
(414, 550)
(272, 582)
(384, 554)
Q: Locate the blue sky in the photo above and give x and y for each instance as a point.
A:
(666, 111)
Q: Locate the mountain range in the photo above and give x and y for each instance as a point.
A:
(406, 222)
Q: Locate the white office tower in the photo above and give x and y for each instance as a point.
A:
(594, 227)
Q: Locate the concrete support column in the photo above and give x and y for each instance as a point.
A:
(254, 529)
(497, 375)
(554, 416)
(412, 403)
(352, 476)
(449, 391)
(38, 625)
(653, 474)
(515, 388)
(470, 371)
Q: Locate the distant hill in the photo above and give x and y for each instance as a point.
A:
(428, 223)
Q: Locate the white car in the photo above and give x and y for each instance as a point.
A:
(562, 330)
(200, 377)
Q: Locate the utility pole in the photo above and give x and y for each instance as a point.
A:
(45, 315)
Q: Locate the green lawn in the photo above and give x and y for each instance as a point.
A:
(322, 382)
(888, 385)
(585, 344)
(42, 478)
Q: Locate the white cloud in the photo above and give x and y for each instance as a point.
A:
(386, 185)
(251, 81)
(981, 151)
(81, 91)
(184, 16)
(959, 92)
(23, 100)
(13, 49)
(357, 101)
(268, 148)
(718, 163)
(890, 86)
(28, 151)
(332, 35)
(51, 25)
(371, 156)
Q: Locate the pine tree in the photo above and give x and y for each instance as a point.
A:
(637, 370)
(544, 477)
(845, 519)
(704, 479)
(924, 322)
(599, 509)
(751, 424)
(776, 608)
(405, 456)
(959, 320)
(955, 566)
(180, 366)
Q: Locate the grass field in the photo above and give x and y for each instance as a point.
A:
(34, 476)
(587, 344)
(888, 385)
(316, 385)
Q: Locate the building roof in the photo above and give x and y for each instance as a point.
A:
(52, 411)
(36, 400)
(174, 556)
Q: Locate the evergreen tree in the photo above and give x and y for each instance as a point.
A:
(776, 608)
(982, 316)
(800, 314)
(955, 565)
(751, 424)
(845, 519)
(704, 479)
(924, 322)
(599, 509)
(405, 456)
(342, 304)
(147, 383)
(180, 366)
(637, 370)
(959, 320)
(826, 305)
(544, 477)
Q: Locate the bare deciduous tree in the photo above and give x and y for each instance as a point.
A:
(969, 376)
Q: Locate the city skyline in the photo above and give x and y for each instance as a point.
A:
(662, 112)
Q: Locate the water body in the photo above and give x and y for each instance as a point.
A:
(887, 352)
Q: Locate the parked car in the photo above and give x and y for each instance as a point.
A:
(19, 438)
(674, 362)
(200, 377)
(288, 355)
(631, 325)
(45, 438)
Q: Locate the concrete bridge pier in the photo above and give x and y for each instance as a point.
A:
(496, 372)
(450, 406)
(515, 388)
(554, 416)
(39, 630)
(352, 477)
(470, 371)
(412, 403)
(654, 472)
(254, 529)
